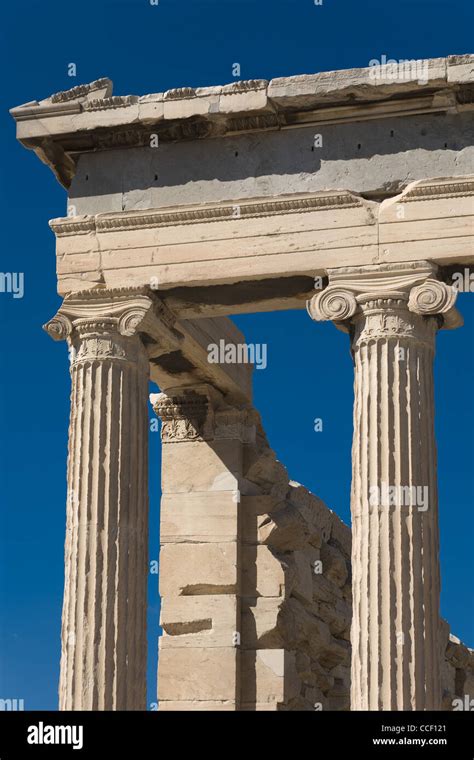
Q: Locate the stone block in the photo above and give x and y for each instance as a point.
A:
(339, 703)
(341, 534)
(243, 101)
(325, 590)
(321, 677)
(314, 512)
(262, 467)
(456, 652)
(198, 621)
(209, 516)
(337, 652)
(468, 686)
(300, 576)
(269, 675)
(203, 674)
(448, 684)
(301, 627)
(262, 572)
(254, 509)
(185, 108)
(460, 68)
(315, 698)
(198, 569)
(334, 565)
(284, 531)
(337, 615)
(150, 109)
(201, 466)
(260, 624)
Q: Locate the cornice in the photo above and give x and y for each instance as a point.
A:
(88, 117)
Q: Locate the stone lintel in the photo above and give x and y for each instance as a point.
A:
(215, 259)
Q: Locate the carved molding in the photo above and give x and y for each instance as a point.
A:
(244, 85)
(383, 318)
(252, 123)
(439, 190)
(246, 209)
(128, 137)
(180, 93)
(200, 414)
(187, 416)
(135, 220)
(105, 104)
(75, 93)
(72, 225)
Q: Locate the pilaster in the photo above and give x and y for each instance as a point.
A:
(200, 562)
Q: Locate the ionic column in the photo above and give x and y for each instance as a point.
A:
(103, 639)
(393, 313)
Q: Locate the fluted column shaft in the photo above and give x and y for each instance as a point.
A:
(393, 314)
(103, 657)
(394, 505)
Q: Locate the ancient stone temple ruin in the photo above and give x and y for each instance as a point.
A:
(349, 193)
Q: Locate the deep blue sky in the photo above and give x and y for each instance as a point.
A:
(144, 48)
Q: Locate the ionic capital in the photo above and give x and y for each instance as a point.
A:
(98, 311)
(413, 287)
(101, 323)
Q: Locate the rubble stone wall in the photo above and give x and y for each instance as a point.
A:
(296, 592)
(457, 672)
